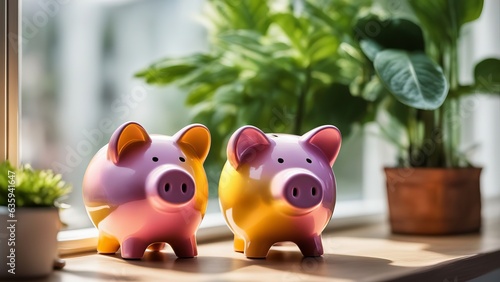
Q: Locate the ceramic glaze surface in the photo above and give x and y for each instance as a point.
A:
(145, 190)
(279, 187)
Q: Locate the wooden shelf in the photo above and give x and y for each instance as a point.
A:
(368, 253)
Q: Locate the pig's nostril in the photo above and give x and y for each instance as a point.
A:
(302, 190)
(174, 186)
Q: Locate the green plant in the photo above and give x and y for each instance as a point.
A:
(33, 188)
(414, 70)
(272, 64)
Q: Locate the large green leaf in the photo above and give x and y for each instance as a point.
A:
(232, 15)
(432, 15)
(467, 10)
(172, 69)
(373, 90)
(352, 52)
(337, 106)
(390, 34)
(443, 19)
(165, 75)
(336, 16)
(245, 38)
(321, 46)
(229, 94)
(487, 75)
(413, 78)
(200, 93)
(211, 74)
(295, 29)
(319, 14)
(370, 48)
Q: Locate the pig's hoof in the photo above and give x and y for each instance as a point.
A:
(131, 258)
(59, 263)
(156, 247)
(256, 257)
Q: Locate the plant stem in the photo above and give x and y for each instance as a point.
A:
(412, 136)
(429, 150)
(438, 138)
(451, 122)
(299, 115)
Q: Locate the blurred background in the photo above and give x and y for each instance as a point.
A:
(80, 59)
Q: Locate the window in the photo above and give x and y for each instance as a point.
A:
(78, 62)
(78, 65)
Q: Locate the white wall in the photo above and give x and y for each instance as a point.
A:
(481, 120)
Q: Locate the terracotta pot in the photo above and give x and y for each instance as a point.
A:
(35, 237)
(434, 201)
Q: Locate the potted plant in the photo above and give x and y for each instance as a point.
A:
(411, 69)
(272, 64)
(29, 220)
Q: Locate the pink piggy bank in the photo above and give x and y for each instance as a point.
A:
(279, 187)
(145, 190)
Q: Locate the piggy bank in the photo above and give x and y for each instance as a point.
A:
(145, 190)
(279, 187)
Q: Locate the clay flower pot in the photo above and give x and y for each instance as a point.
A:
(434, 201)
(35, 237)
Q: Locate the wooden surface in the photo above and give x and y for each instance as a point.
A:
(368, 253)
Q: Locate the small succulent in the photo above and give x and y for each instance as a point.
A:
(33, 188)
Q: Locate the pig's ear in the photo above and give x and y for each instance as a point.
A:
(127, 134)
(244, 144)
(195, 138)
(327, 139)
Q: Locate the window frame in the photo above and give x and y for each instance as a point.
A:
(10, 47)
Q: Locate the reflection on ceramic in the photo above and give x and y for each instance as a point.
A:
(279, 187)
(141, 189)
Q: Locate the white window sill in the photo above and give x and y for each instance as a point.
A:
(213, 227)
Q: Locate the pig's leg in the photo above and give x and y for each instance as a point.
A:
(133, 248)
(257, 248)
(107, 244)
(311, 247)
(185, 247)
(239, 244)
(156, 247)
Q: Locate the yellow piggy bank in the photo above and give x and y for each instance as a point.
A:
(279, 187)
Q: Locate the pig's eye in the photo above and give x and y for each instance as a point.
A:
(280, 160)
(309, 160)
(155, 159)
(182, 159)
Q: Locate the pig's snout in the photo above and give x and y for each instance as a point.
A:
(303, 191)
(176, 186)
(300, 190)
(169, 186)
